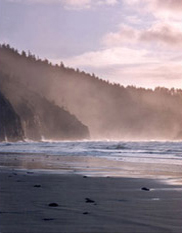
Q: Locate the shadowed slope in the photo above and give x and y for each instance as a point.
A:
(10, 125)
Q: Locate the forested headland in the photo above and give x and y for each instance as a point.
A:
(58, 102)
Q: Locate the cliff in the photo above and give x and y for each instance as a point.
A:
(10, 124)
(28, 115)
(42, 119)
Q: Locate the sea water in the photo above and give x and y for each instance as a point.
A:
(160, 152)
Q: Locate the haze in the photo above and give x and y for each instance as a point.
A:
(40, 92)
(131, 42)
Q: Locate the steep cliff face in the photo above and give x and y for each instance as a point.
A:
(42, 119)
(37, 117)
(10, 124)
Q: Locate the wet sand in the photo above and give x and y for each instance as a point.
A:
(34, 201)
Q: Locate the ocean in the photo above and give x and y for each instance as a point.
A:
(165, 152)
(96, 158)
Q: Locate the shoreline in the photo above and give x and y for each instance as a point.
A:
(91, 166)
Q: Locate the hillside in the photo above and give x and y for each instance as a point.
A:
(109, 110)
(26, 114)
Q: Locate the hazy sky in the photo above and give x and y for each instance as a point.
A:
(133, 42)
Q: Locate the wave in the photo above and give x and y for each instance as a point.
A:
(168, 151)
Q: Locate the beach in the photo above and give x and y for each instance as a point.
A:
(38, 196)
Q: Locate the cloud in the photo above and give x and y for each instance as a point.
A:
(162, 33)
(125, 35)
(133, 20)
(171, 5)
(168, 9)
(164, 9)
(147, 75)
(159, 34)
(110, 57)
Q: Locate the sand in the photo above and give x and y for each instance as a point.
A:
(36, 201)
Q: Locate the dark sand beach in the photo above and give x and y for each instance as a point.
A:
(38, 201)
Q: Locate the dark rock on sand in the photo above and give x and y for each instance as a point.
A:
(53, 204)
(37, 185)
(88, 200)
(85, 213)
(145, 189)
(48, 219)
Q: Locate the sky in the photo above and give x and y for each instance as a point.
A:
(131, 42)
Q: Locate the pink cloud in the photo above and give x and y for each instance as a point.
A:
(171, 5)
(160, 33)
(125, 35)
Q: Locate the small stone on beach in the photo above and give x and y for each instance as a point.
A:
(88, 200)
(53, 204)
(145, 189)
(48, 219)
(85, 213)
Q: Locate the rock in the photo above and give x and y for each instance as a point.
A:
(48, 219)
(85, 213)
(37, 185)
(145, 189)
(53, 204)
(88, 200)
(10, 124)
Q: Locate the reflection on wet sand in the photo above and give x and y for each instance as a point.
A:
(88, 165)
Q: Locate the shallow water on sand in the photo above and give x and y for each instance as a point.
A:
(142, 152)
(149, 159)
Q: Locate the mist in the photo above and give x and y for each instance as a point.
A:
(103, 110)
